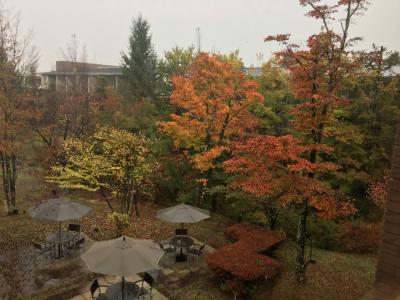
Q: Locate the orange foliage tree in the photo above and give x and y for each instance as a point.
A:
(270, 165)
(212, 108)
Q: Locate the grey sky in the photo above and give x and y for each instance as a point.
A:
(225, 25)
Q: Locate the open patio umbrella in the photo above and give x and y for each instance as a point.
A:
(59, 209)
(182, 213)
(122, 257)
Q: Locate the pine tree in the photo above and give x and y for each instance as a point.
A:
(139, 63)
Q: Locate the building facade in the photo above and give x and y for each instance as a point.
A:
(387, 285)
(82, 77)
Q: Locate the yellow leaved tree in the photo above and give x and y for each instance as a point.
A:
(114, 162)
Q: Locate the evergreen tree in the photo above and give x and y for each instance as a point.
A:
(139, 63)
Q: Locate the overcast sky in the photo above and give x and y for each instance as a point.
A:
(225, 25)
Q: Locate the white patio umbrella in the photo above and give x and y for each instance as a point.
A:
(59, 209)
(182, 213)
(123, 256)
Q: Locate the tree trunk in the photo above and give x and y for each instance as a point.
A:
(272, 214)
(9, 172)
(301, 244)
(136, 205)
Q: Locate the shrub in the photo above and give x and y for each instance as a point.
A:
(257, 238)
(359, 237)
(323, 233)
(239, 263)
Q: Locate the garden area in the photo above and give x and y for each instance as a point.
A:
(188, 175)
(333, 275)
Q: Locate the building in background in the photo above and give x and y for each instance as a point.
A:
(81, 77)
(253, 71)
(72, 77)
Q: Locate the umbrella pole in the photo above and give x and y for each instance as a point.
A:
(59, 244)
(123, 287)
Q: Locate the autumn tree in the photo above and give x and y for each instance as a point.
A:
(373, 113)
(114, 162)
(318, 72)
(279, 168)
(59, 114)
(212, 103)
(17, 62)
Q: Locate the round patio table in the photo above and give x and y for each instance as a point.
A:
(114, 291)
(181, 242)
(60, 238)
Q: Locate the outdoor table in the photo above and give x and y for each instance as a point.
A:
(114, 291)
(60, 238)
(181, 242)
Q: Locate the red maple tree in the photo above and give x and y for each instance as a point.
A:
(296, 166)
(318, 72)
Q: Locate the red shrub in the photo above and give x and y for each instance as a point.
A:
(359, 237)
(259, 239)
(241, 261)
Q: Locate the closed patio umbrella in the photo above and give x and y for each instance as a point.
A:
(122, 257)
(59, 209)
(182, 213)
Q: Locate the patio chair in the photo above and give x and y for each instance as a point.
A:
(77, 245)
(44, 249)
(93, 289)
(74, 227)
(181, 231)
(146, 290)
(196, 250)
(167, 248)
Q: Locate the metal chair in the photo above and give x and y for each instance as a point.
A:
(45, 249)
(167, 248)
(77, 245)
(93, 289)
(181, 231)
(74, 227)
(146, 290)
(196, 250)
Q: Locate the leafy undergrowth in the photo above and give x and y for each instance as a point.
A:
(203, 288)
(17, 232)
(333, 276)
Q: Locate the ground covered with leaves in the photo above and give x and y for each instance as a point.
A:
(333, 276)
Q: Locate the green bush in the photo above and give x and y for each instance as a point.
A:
(323, 233)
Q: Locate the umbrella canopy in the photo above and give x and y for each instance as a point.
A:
(59, 209)
(182, 213)
(123, 256)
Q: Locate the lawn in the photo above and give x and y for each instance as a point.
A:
(333, 276)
